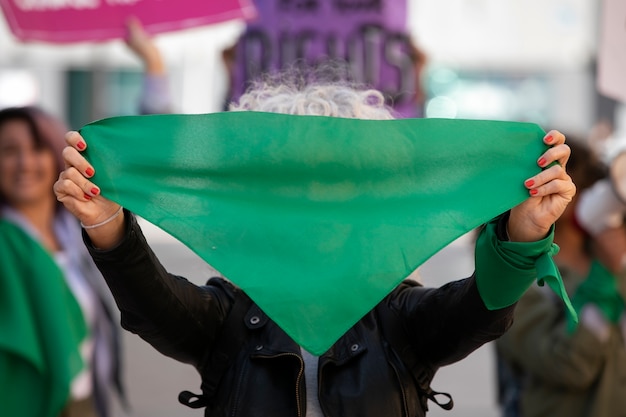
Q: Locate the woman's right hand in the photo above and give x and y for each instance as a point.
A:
(82, 198)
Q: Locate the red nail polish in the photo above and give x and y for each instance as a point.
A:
(95, 191)
(529, 183)
(89, 171)
(533, 192)
(80, 145)
(87, 197)
(548, 139)
(541, 162)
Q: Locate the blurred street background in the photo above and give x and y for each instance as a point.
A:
(525, 60)
(530, 60)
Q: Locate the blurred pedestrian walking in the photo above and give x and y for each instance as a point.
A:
(59, 343)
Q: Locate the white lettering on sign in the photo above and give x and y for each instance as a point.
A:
(122, 2)
(42, 5)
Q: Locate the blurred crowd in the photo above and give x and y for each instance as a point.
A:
(53, 296)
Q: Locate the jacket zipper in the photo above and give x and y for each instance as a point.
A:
(298, 378)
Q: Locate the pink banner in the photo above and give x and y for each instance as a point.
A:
(66, 21)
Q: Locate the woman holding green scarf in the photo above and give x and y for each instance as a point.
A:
(59, 353)
(383, 365)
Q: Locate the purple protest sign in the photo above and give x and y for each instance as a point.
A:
(371, 35)
(66, 21)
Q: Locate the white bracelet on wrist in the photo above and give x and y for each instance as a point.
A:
(102, 223)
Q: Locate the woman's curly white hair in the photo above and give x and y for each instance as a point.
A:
(312, 94)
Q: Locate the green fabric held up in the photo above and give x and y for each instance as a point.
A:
(41, 328)
(315, 218)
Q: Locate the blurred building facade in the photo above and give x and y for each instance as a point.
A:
(527, 60)
(84, 82)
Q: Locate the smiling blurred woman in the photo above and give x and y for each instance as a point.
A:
(58, 343)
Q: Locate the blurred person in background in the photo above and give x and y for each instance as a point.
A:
(59, 343)
(268, 374)
(548, 366)
(155, 94)
(60, 351)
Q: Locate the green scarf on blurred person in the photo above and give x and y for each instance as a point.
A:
(41, 328)
(601, 289)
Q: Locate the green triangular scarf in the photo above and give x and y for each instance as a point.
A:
(41, 328)
(316, 218)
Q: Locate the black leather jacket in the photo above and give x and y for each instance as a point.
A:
(251, 368)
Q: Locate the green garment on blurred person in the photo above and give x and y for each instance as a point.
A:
(41, 328)
(566, 371)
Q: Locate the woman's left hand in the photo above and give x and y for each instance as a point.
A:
(550, 191)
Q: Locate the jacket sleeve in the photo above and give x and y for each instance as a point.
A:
(445, 324)
(175, 316)
(448, 323)
(539, 343)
